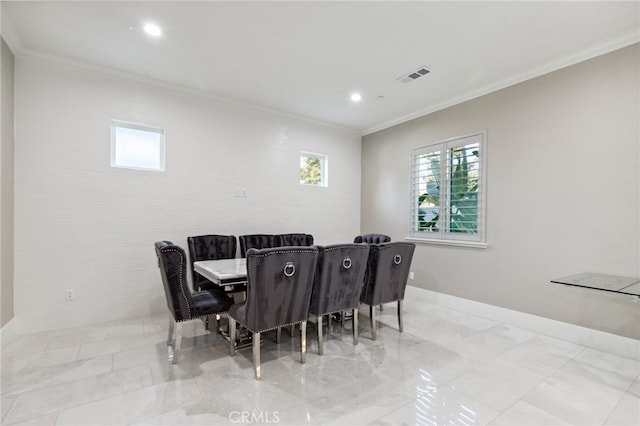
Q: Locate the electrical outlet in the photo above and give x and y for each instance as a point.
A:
(411, 275)
(241, 193)
(70, 295)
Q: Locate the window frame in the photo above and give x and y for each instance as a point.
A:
(324, 168)
(115, 124)
(443, 236)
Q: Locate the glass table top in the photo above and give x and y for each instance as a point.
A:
(594, 281)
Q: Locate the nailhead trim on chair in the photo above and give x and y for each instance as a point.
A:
(202, 316)
(181, 279)
(247, 310)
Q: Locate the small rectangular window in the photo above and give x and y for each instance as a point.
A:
(313, 169)
(137, 146)
(449, 192)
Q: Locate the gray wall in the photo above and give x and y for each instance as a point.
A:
(6, 175)
(563, 193)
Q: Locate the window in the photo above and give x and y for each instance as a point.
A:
(136, 146)
(448, 191)
(313, 169)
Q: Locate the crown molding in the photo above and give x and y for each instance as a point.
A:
(103, 71)
(603, 48)
(8, 31)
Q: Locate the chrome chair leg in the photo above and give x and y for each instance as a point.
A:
(381, 308)
(278, 334)
(330, 328)
(256, 354)
(303, 342)
(172, 324)
(354, 315)
(400, 315)
(319, 324)
(372, 315)
(178, 343)
(232, 336)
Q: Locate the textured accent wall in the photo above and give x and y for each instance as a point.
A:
(83, 225)
(7, 62)
(563, 192)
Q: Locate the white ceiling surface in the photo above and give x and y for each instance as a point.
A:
(306, 58)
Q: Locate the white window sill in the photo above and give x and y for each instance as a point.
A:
(458, 243)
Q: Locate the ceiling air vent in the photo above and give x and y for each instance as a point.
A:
(414, 75)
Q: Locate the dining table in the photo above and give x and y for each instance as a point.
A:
(223, 272)
(227, 273)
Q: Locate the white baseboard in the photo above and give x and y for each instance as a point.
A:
(596, 339)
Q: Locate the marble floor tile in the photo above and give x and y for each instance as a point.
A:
(199, 414)
(444, 406)
(39, 377)
(627, 412)
(634, 389)
(602, 360)
(46, 420)
(542, 355)
(362, 402)
(133, 406)
(579, 394)
(524, 413)
(26, 344)
(119, 344)
(15, 364)
(515, 381)
(54, 398)
(5, 404)
(447, 367)
(490, 343)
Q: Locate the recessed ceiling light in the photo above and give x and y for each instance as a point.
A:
(153, 30)
(356, 97)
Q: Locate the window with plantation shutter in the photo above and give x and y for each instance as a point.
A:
(448, 191)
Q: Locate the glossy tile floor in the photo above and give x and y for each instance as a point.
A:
(448, 367)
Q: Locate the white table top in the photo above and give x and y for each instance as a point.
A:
(223, 271)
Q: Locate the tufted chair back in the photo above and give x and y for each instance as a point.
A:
(339, 277)
(387, 272)
(386, 277)
(279, 285)
(337, 285)
(294, 240)
(183, 304)
(257, 241)
(372, 238)
(173, 269)
(209, 247)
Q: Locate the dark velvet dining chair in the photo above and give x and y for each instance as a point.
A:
(209, 247)
(257, 241)
(338, 284)
(386, 277)
(372, 238)
(279, 286)
(183, 304)
(294, 240)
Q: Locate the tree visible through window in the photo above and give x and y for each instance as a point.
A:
(313, 169)
(448, 190)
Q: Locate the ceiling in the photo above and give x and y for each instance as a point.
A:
(307, 58)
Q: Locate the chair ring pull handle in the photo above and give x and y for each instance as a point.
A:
(289, 269)
(397, 259)
(346, 263)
